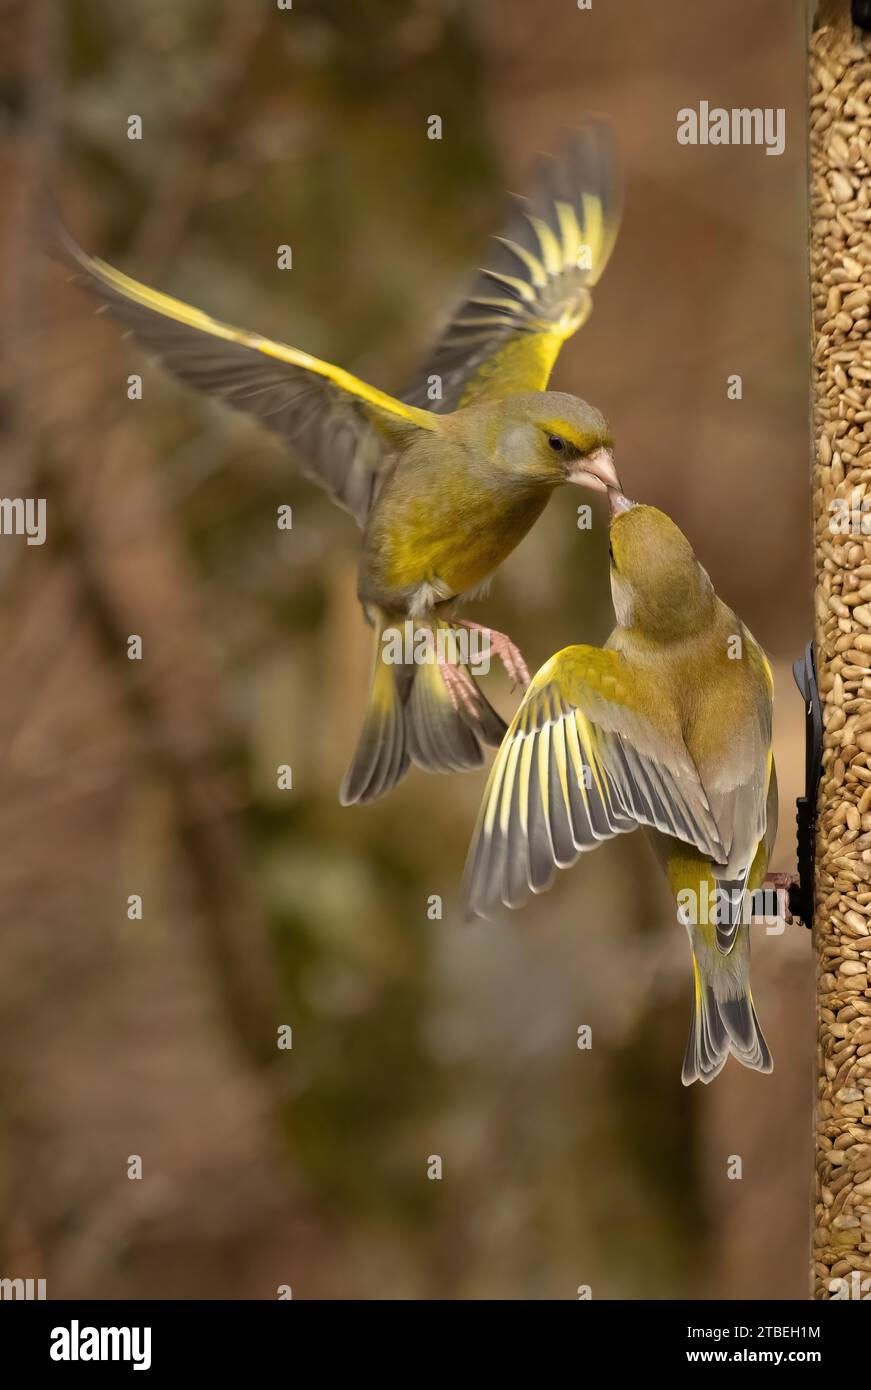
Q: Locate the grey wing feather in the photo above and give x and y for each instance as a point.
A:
(527, 286)
(330, 430)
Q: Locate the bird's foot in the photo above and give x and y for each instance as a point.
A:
(784, 881)
(503, 647)
(460, 687)
(781, 884)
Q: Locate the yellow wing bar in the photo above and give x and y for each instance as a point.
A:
(534, 292)
(584, 759)
(344, 430)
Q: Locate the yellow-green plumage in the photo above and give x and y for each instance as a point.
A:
(464, 495)
(667, 727)
(443, 484)
(724, 1015)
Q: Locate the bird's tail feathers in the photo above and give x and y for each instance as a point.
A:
(381, 757)
(410, 718)
(724, 1017)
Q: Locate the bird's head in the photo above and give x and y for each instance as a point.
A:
(657, 584)
(553, 438)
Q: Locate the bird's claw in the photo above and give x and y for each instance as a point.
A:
(781, 883)
(460, 688)
(507, 651)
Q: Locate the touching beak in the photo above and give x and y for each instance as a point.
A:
(617, 502)
(596, 470)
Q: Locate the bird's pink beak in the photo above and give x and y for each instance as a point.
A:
(595, 470)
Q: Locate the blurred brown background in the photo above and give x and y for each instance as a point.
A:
(411, 1037)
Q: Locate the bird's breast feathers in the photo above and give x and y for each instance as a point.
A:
(450, 536)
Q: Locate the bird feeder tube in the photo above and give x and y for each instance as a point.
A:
(840, 262)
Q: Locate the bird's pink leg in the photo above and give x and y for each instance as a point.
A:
(460, 687)
(506, 650)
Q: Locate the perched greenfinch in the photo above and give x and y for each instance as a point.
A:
(667, 726)
(446, 481)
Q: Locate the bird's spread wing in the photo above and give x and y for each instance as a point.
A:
(592, 752)
(344, 430)
(535, 290)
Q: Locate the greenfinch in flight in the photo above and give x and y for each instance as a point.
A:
(446, 481)
(667, 726)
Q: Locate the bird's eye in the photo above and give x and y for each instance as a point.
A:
(610, 552)
(556, 443)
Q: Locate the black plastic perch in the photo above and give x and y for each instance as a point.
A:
(862, 13)
(801, 894)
